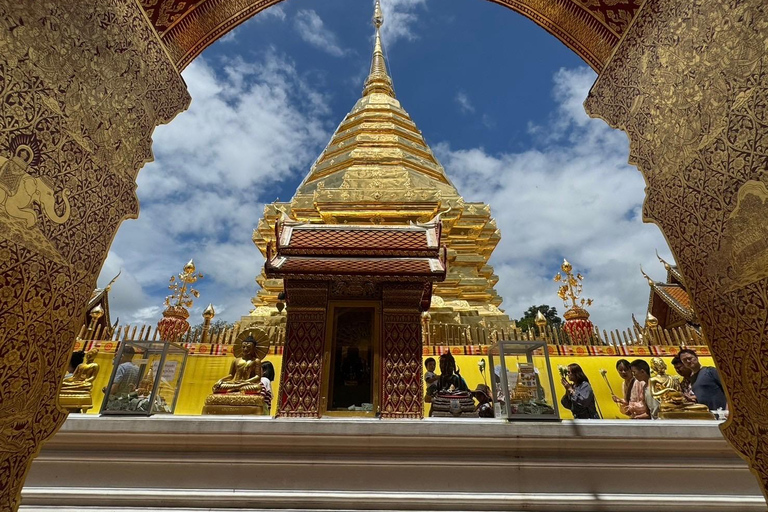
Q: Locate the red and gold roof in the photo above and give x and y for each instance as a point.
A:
(670, 302)
(381, 253)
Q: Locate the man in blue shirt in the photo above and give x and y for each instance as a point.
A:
(705, 381)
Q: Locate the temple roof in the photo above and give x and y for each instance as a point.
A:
(676, 297)
(394, 269)
(672, 293)
(349, 240)
(319, 251)
(101, 296)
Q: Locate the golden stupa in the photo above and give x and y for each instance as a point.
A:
(377, 169)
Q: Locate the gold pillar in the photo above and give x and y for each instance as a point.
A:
(688, 84)
(83, 85)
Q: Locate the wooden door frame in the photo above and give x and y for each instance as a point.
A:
(328, 352)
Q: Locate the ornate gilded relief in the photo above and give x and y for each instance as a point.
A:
(302, 373)
(20, 189)
(744, 247)
(688, 85)
(402, 396)
(82, 86)
(591, 28)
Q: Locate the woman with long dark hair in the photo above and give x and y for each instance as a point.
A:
(267, 376)
(633, 389)
(579, 397)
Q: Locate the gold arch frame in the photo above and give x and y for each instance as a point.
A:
(685, 80)
(591, 29)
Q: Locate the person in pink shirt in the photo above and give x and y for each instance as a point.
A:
(633, 391)
(647, 407)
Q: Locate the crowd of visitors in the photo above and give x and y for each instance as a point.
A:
(698, 384)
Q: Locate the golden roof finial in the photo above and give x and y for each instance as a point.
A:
(647, 277)
(540, 320)
(571, 288)
(109, 285)
(378, 79)
(651, 321)
(667, 266)
(209, 312)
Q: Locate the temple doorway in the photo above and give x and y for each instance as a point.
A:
(352, 354)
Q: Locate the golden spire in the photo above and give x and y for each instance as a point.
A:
(378, 79)
(651, 321)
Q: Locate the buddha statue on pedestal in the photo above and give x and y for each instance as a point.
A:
(452, 396)
(668, 391)
(75, 394)
(240, 392)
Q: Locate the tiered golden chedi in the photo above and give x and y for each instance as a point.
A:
(377, 169)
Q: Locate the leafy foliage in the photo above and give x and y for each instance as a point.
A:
(529, 317)
(216, 327)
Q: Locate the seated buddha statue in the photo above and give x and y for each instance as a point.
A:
(452, 396)
(672, 402)
(240, 391)
(147, 383)
(75, 393)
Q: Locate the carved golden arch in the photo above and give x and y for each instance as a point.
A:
(86, 85)
(591, 28)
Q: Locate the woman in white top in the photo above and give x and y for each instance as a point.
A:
(267, 376)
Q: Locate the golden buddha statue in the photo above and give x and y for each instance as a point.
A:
(241, 391)
(673, 403)
(75, 394)
(146, 384)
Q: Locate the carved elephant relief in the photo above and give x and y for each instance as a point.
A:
(19, 190)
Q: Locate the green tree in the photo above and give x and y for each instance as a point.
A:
(216, 326)
(528, 319)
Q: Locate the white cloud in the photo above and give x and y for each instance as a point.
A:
(464, 104)
(126, 297)
(274, 12)
(400, 19)
(577, 198)
(251, 127)
(312, 30)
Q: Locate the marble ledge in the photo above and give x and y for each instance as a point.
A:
(254, 425)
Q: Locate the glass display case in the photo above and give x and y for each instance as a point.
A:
(146, 378)
(523, 386)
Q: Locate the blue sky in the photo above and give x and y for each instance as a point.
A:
(497, 98)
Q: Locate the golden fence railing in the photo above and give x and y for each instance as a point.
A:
(434, 335)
